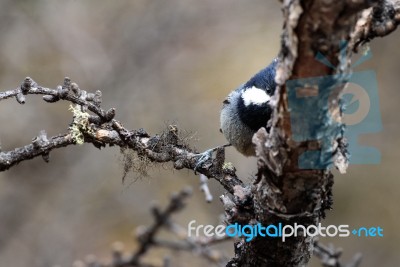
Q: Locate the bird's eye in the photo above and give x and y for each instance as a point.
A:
(226, 101)
(220, 130)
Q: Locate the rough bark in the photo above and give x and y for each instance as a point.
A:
(286, 193)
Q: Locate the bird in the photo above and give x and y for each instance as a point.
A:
(244, 112)
(247, 109)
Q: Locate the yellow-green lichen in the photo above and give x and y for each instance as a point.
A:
(228, 166)
(80, 125)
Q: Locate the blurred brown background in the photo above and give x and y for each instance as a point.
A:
(156, 62)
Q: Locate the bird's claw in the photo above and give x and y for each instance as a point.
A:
(205, 156)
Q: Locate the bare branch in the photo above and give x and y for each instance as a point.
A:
(147, 237)
(378, 21)
(102, 129)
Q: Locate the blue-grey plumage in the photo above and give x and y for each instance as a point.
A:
(247, 109)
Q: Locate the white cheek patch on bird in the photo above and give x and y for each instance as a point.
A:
(255, 96)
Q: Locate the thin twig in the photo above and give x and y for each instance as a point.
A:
(329, 256)
(146, 238)
(204, 188)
